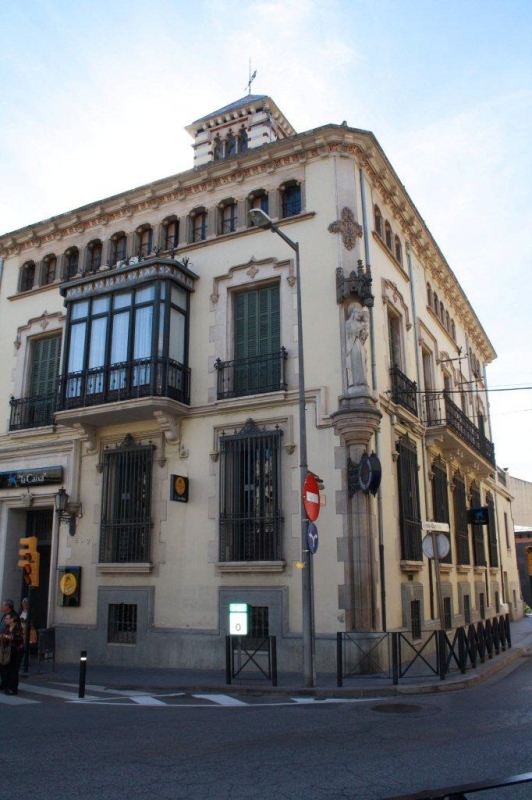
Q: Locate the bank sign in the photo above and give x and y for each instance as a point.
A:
(40, 476)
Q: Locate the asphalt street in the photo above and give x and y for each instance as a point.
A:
(175, 745)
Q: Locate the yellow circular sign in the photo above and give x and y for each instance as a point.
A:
(68, 584)
(180, 485)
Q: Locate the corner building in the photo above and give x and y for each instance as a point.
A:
(149, 362)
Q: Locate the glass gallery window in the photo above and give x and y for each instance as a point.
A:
(127, 344)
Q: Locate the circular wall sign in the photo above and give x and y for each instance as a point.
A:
(68, 584)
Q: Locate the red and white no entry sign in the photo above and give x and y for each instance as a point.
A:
(311, 497)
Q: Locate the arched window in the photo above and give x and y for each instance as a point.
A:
(398, 249)
(198, 224)
(94, 255)
(447, 321)
(442, 312)
(71, 263)
(27, 276)
(48, 270)
(228, 217)
(388, 235)
(118, 247)
(453, 329)
(230, 145)
(378, 220)
(290, 199)
(242, 140)
(144, 240)
(258, 199)
(436, 304)
(429, 295)
(217, 148)
(171, 233)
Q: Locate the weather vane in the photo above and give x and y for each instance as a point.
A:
(251, 77)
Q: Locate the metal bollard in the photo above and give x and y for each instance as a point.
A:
(82, 672)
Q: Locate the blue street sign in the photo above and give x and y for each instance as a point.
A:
(312, 537)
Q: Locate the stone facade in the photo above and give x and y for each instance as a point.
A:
(198, 400)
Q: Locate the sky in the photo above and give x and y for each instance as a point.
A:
(95, 97)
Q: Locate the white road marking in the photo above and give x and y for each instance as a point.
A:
(28, 687)
(220, 699)
(15, 700)
(147, 700)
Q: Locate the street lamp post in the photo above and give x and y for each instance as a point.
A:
(262, 220)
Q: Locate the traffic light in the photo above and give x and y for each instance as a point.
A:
(29, 560)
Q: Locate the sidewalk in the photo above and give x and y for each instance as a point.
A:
(289, 683)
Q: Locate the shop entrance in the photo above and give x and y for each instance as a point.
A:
(39, 524)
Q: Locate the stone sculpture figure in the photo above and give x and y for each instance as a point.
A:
(356, 333)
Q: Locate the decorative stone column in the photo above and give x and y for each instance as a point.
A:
(355, 422)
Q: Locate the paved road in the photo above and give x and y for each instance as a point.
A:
(124, 744)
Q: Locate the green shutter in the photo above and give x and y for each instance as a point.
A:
(257, 322)
(44, 366)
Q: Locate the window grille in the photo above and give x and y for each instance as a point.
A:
(122, 623)
(447, 613)
(482, 605)
(467, 609)
(492, 533)
(478, 531)
(409, 508)
(460, 521)
(250, 495)
(126, 504)
(415, 619)
(440, 499)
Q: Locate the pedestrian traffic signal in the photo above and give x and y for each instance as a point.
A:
(30, 560)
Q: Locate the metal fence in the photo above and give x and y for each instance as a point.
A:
(253, 654)
(396, 655)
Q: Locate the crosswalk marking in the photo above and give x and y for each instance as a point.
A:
(147, 700)
(15, 700)
(28, 687)
(220, 699)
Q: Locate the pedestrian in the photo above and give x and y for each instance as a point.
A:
(7, 607)
(23, 616)
(14, 640)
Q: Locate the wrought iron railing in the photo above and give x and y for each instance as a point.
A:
(396, 655)
(404, 391)
(125, 542)
(250, 538)
(441, 411)
(254, 375)
(128, 380)
(32, 412)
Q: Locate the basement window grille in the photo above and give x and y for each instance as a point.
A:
(122, 623)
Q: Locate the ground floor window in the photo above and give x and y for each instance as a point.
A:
(122, 623)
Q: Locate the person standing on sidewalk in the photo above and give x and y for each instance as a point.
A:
(13, 637)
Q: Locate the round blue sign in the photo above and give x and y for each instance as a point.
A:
(312, 537)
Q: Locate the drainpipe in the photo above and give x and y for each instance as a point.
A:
(419, 375)
(382, 573)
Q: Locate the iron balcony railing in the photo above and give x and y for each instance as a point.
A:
(125, 542)
(32, 412)
(250, 538)
(143, 377)
(441, 411)
(253, 375)
(404, 391)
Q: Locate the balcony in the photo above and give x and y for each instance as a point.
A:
(130, 390)
(253, 375)
(404, 391)
(32, 412)
(448, 422)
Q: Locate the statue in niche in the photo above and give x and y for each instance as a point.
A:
(356, 333)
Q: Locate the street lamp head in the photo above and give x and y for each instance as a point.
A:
(260, 218)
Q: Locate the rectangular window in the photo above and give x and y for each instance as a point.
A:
(478, 532)
(126, 504)
(409, 507)
(122, 623)
(37, 408)
(492, 533)
(467, 609)
(250, 495)
(460, 521)
(507, 532)
(199, 227)
(440, 499)
(257, 341)
(415, 619)
(482, 605)
(229, 218)
(394, 340)
(447, 613)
